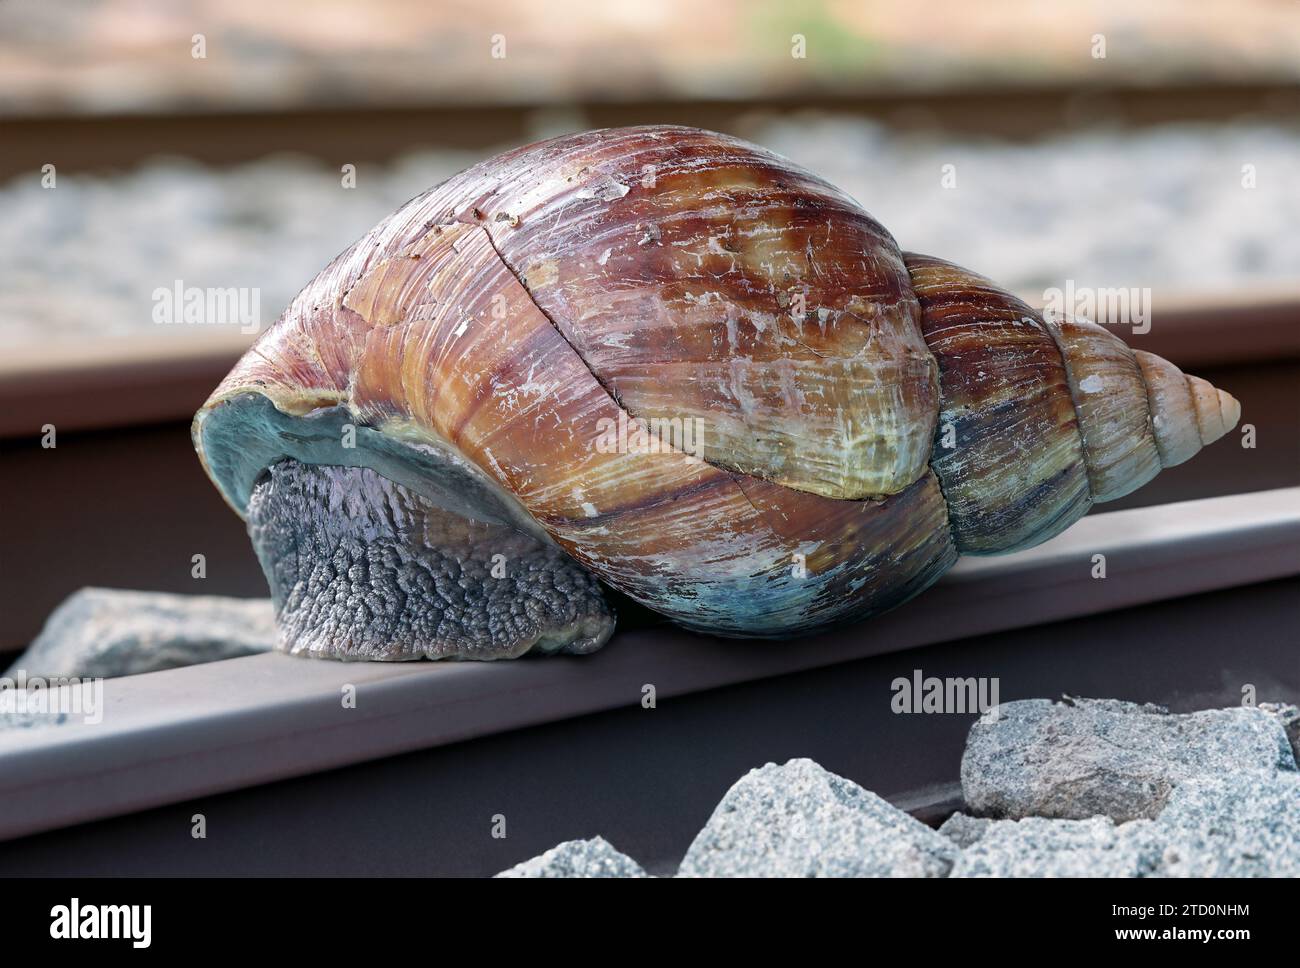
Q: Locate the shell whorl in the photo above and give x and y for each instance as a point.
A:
(1042, 416)
(1138, 413)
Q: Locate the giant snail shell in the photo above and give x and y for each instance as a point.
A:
(431, 446)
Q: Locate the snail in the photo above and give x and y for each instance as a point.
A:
(667, 362)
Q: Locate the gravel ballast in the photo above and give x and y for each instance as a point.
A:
(1232, 826)
(1043, 847)
(1217, 791)
(578, 858)
(107, 632)
(799, 820)
(1081, 758)
(85, 259)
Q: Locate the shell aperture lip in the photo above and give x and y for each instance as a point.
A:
(240, 437)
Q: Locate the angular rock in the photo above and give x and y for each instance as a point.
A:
(578, 858)
(963, 830)
(1037, 847)
(1236, 825)
(1289, 717)
(107, 632)
(1087, 757)
(1231, 826)
(799, 820)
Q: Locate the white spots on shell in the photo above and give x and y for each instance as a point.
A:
(542, 273)
(1092, 383)
(603, 188)
(703, 298)
(530, 390)
(588, 508)
(604, 257)
(494, 463)
(715, 247)
(739, 371)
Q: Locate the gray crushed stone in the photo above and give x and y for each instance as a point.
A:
(578, 858)
(106, 632)
(1081, 758)
(800, 820)
(1233, 826)
(1237, 825)
(963, 829)
(1289, 717)
(1042, 847)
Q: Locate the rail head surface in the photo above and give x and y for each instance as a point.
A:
(171, 736)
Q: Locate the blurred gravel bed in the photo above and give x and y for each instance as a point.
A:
(1161, 207)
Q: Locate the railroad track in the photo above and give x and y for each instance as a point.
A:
(1199, 602)
(185, 736)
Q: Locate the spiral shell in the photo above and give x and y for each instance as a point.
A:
(868, 414)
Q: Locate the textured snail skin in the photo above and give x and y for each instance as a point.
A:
(868, 414)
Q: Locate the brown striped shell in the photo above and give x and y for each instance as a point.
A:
(866, 414)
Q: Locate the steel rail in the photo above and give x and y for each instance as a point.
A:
(170, 736)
